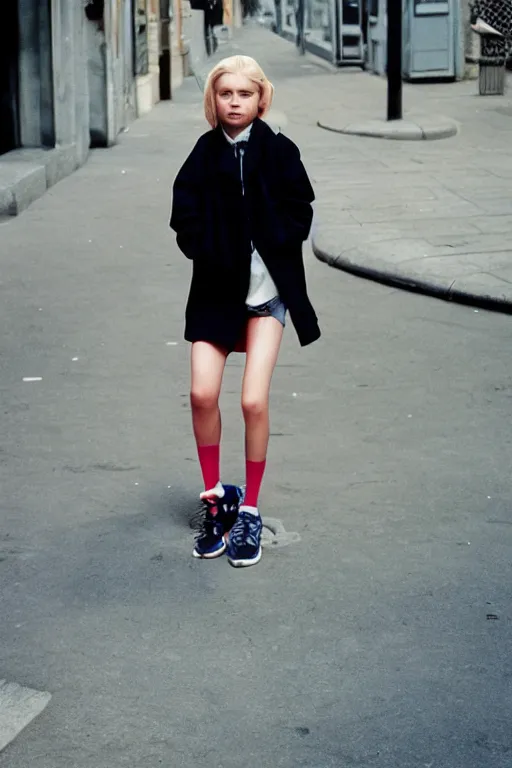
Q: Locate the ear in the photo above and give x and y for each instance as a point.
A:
(262, 106)
(266, 95)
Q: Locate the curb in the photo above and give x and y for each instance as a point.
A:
(440, 288)
(420, 128)
(26, 174)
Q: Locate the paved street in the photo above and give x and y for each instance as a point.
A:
(380, 639)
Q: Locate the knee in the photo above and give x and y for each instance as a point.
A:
(254, 407)
(203, 398)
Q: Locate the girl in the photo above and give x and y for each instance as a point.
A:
(241, 211)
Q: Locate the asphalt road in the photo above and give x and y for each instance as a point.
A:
(371, 641)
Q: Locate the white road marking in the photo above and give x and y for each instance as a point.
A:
(18, 707)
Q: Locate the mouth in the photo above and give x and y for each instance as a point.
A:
(234, 115)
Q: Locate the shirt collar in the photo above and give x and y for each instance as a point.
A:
(244, 136)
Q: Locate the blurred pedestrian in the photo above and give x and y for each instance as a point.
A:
(241, 211)
(213, 17)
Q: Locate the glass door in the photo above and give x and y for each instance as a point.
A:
(320, 25)
(321, 29)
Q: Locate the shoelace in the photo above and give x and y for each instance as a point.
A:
(209, 522)
(245, 530)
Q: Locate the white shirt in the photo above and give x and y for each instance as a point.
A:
(261, 287)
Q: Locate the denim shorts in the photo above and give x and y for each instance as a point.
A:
(273, 308)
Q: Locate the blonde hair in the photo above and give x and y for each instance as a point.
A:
(234, 65)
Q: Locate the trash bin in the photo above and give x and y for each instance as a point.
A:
(493, 56)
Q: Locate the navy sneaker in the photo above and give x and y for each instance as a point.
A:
(219, 517)
(244, 547)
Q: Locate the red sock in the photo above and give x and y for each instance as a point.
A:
(209, 459)
(254, 475)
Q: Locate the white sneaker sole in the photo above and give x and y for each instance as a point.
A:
(483, 28)
(209, 555)
(245, 563)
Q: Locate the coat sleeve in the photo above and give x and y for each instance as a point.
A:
(186, 214)
(295, 211)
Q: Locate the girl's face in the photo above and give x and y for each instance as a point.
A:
(237, 99)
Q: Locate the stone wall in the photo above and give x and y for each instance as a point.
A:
(470, 42)
(147, 84)
(193, 35)
(70, 83)
(53, 102)
(178, 49)
(110, 72)
(29, 69)
(96, 71)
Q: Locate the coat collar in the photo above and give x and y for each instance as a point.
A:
(243, 136)
(261, 134)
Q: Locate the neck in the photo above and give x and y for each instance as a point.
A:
(234, 131)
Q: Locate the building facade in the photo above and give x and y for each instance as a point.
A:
(438, 39)
(73, 74)
(41, 63)
(44, 107)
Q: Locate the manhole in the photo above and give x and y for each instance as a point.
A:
(275, 536)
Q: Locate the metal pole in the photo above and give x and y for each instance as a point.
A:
(394, 59)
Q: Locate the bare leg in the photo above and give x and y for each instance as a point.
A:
(264, 336)
(207, 368)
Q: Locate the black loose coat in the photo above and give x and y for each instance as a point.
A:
(216, 224)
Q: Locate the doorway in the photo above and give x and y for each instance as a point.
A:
(9, 57)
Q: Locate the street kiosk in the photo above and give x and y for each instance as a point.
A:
(429, 39)
(431, 32)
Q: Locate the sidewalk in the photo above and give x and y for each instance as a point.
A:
(432, 216)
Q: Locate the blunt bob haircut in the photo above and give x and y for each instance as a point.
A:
(237, 65)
